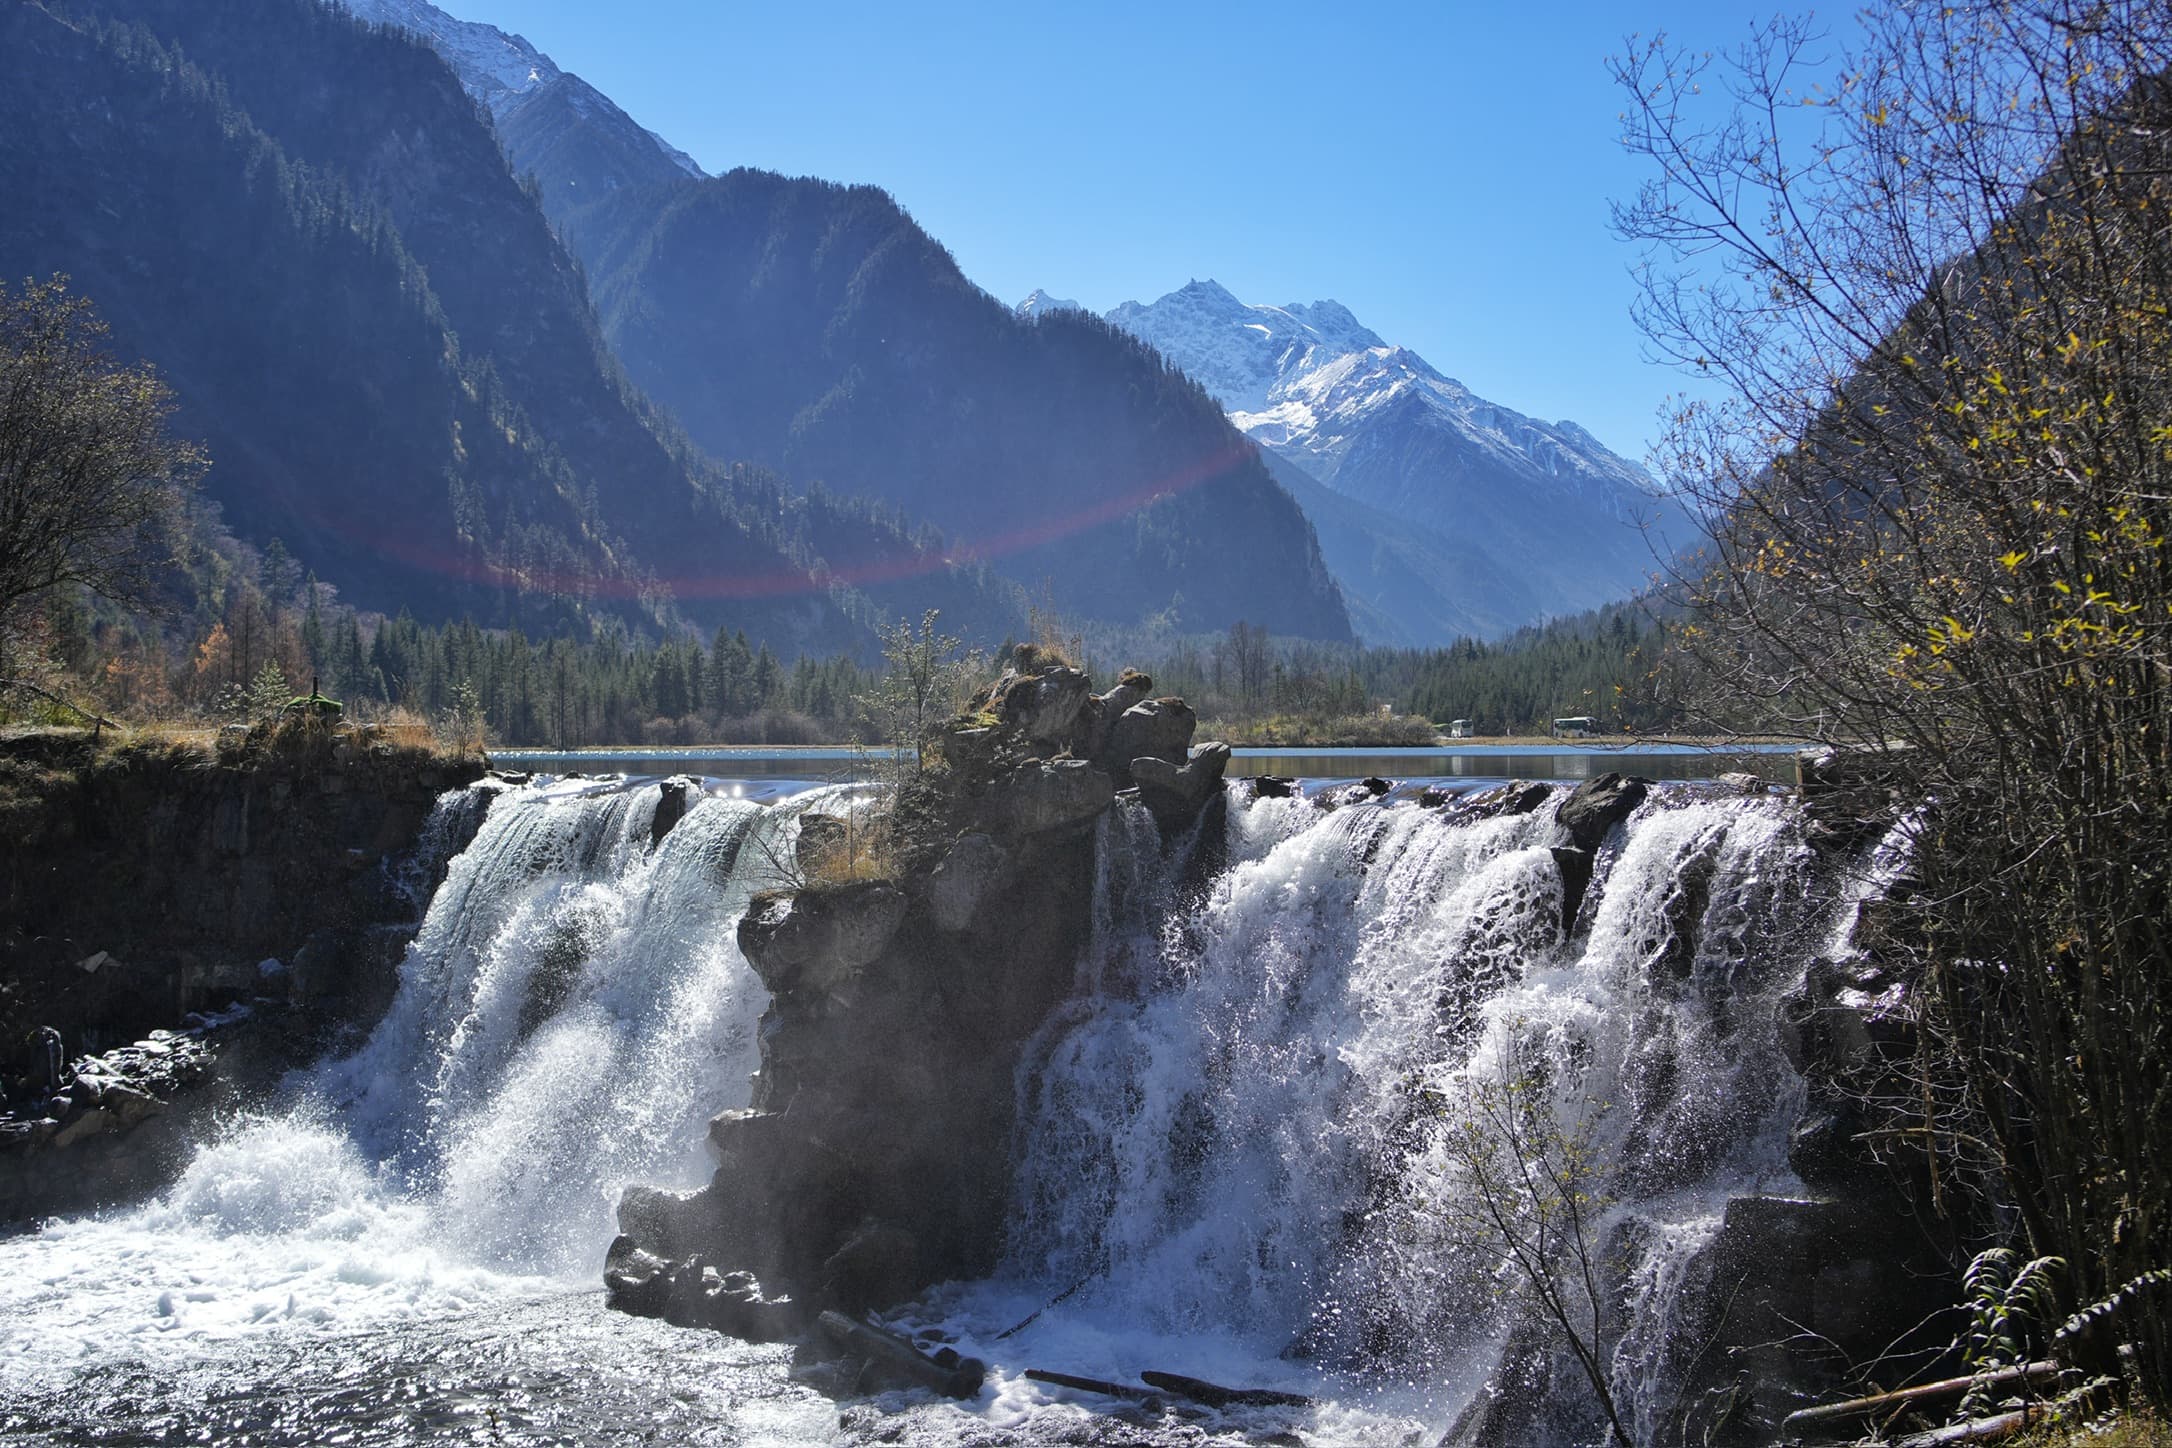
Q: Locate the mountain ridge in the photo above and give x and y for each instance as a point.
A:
(1549, 505)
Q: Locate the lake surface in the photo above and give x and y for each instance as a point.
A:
(1473, 765)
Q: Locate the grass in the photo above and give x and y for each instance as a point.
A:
(1343, 731)
(2137, 1429)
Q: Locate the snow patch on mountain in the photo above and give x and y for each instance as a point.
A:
(498, 69)
(1040, 303)
(1309, 381)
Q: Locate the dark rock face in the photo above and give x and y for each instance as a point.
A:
(815, 942)
(186, 871)
(1771, 1315)
(876, 1157)
(110, 1126)
(1507, 799)
(138, 887)
(975, 866)
(1593, 809)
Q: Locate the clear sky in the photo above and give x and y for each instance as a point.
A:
(1443, 168)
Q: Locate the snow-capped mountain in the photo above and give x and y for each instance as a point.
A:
(1041, 303)
(1379, 424)
(511, 78)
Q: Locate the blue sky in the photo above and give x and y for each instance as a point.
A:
(1444, 169)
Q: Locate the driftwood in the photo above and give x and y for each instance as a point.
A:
(1094, 1385)
(1220, 1397)
(1835, 1417)
(898, 1358)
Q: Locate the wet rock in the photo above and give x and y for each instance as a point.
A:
(812, 942)
(634, 1280)
(1597, 805)
(1506, 799)
(1434, 796)
(1177, 795)
(670, 809)
(1155, 728)
(1273, 786)
(1039, 796)
(972, 868)
(1575, 866)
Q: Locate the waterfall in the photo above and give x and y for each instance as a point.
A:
(1248, 1137)
(1236, 1151)
(570, 1013)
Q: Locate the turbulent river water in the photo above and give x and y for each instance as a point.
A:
(1233, 1157)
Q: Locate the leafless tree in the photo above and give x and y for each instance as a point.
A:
(1932, 273)
(88, 472)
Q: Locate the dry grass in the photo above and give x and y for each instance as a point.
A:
(2137, 1429)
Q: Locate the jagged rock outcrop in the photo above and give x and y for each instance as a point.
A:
(875, 1158)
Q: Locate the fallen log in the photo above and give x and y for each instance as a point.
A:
(1215, 1396)
(1094, 1385)
(899, 1359)
(1831, 1417)
(1977, 1430)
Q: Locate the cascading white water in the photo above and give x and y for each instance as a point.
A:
(1232, 1154)
(1245, 1140)
(572, 1010)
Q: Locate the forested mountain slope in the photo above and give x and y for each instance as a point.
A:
(308, 227)
(816, 329)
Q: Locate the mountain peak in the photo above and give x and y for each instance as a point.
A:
(1040, 303)
(1209, 290)
(505, 72)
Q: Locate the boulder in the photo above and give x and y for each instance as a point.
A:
(1041, 796)
(813, 942)
(1157, 728)
(1507, 799)
(1597, 805)
(1176, 796)
(1106, 709)
(1273, 786)
(670, 808)
(1042, 707)
(972, 869)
